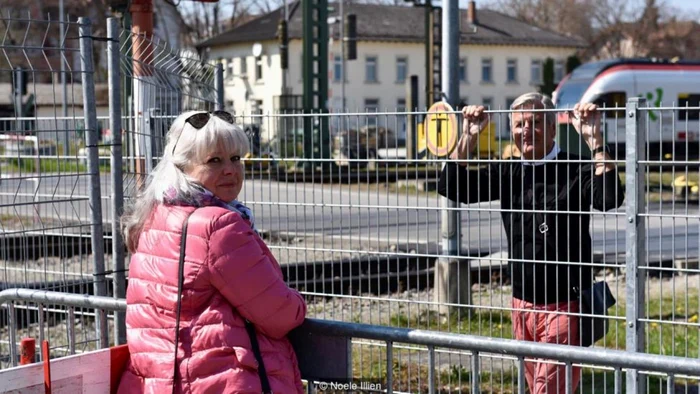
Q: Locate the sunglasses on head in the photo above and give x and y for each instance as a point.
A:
(200, 119)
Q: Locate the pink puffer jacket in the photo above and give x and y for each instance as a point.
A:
(230, 275)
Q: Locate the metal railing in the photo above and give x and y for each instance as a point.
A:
(397, 350)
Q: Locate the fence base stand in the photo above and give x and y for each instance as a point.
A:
(452, 285)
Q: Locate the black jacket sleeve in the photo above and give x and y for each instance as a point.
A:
(469, 186)
(606, 188)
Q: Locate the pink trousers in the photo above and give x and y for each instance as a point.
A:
(538, 323)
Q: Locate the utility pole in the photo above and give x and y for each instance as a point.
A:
(286, 70)
(17, 93)
(342, 59)
(141, 35)
(433, 44)
(450, 82)
(64, 92)
(315, 44)
(452, 274)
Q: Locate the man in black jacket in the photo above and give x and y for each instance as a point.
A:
(546, 197)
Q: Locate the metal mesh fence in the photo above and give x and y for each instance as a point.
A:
(60, 139)
(44, 184)
(361, 232)
(158, 83)
(349, 204)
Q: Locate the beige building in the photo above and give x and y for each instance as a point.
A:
(502, 59)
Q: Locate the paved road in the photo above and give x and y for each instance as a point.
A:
(363, 212)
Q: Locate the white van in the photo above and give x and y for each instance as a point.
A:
(610, 83)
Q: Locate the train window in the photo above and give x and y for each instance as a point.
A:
(688, 100)
(613, 100)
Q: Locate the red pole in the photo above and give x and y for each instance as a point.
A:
(142, 29)
(142, 33)
(47, 366)
(27, 351)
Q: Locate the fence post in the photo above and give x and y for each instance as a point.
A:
(635, 254)
(452, 274)
(219, 85)
(91, 144)
(115, 124)
(12, 323)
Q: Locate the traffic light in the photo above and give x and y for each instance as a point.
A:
(283, 42)
(351, 37)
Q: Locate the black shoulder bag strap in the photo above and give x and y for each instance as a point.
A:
(180, 281)
(264, 382)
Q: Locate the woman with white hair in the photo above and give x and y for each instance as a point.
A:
(208, 310)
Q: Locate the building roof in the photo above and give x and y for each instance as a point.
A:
(377, 22)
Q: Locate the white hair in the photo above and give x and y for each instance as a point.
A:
(537, 100)
(191, 147)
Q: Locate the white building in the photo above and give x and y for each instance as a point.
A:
(500, 61)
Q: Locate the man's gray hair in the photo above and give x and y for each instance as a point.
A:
(538, 101)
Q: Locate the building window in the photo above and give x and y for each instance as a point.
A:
(244, 67)
(486, 70)
(229, 69)
(487, 102)
(512, 71)
(536, 72)
(558, 70)
(401, 69)
(371, 105)
(257, 109)
(337, 68)
(401, 105)
(371, 69)
(463, 69)
(258, 68)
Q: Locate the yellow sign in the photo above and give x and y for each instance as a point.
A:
(440, 130)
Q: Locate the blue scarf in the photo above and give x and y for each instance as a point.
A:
(204, 198)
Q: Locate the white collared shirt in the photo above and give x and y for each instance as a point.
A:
(550, 156)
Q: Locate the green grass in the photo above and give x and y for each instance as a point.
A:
(411, 374)
(484, 323)
(663, 337)
(67, 165)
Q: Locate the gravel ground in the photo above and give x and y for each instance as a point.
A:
(288, 249)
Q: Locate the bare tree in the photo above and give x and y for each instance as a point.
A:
(266, 6)
(612, 28)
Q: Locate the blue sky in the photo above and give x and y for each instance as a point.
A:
(683, 5)
(686, 5)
